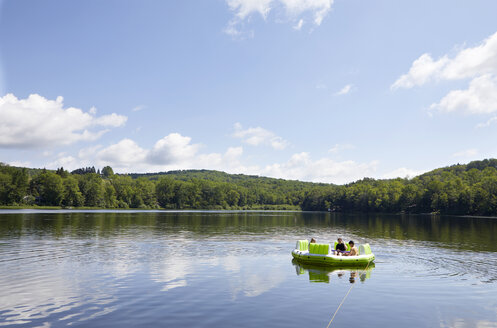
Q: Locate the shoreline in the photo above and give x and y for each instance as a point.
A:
(285, 208)
(270, 208)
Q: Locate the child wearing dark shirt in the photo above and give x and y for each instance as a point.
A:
(340, 246)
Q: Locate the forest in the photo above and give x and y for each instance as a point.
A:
(462, 189)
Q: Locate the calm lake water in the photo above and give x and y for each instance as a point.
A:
(234, 269)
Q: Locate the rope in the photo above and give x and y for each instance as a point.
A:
(343, 299)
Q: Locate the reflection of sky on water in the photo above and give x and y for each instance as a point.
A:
(231, 263)
(172, 274)
(247, 276)
(63, 280)
(89, 272)
(252, 276)
(463, 323)
(124, 260)
(41, 292)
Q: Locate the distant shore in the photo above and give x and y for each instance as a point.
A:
(218, 208)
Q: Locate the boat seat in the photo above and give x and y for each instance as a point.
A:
(302, 245)
(364, 249)
(321, 249)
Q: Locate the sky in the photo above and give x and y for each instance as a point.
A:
(315, 90)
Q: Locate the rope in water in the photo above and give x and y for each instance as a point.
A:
(343, 299)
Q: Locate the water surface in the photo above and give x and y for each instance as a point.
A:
(216, 269)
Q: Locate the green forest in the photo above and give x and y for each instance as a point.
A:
(463, 189)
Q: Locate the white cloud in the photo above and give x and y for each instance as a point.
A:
(89, 151)
(479, 98)
(125, 153)
(292, 9)
(422, 71)
(234, 152)
(173, 148)
(487, 123)
(466, 153)
(172, 152)
(37, 122)
(478, 63)
(340, 147)
(138, 108)
(318, 8)
(402, 172)
(299, 25)
(468, 63)
(112, 120)
(20, 163)
(343, 91)
(175, 151)
(232, 30)
(474, 61)
(67, 162)
(302, 167)
(244, 8)
(259, 136)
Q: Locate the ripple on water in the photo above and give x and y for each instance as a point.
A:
(182, 271)
(45, 286)
(432, 261)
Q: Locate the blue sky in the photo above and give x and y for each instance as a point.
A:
(328, 91)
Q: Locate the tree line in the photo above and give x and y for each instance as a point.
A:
(87, 187)
(469, 189)
(459, 189)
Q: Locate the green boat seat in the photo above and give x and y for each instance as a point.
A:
(321, 249)
(302, 245)
(312, 248)
(364, 249)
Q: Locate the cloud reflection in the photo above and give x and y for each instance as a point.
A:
(44, 293)
(252, 277)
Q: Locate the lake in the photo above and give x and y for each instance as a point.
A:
(235, 269)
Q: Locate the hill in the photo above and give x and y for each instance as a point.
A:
(464, 189)
(458, 189)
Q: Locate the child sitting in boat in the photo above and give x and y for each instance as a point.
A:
(340, 247)
(353, 250)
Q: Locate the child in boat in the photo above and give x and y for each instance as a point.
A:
(340, 246)
(312, 240)
(353, 250)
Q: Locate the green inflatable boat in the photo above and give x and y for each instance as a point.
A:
(320, 254)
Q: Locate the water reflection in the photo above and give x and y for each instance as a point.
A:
(38, 292)
(67, 267)
(254, 276)
(324, 274)
(453, 232)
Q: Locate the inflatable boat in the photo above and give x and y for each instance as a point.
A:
(320, 254)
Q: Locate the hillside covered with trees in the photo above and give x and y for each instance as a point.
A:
(459, 189)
